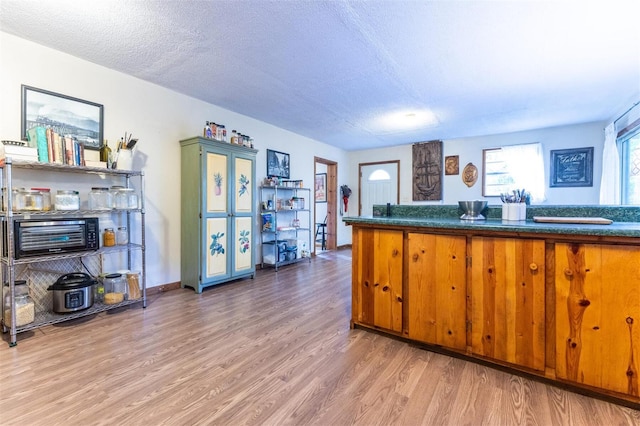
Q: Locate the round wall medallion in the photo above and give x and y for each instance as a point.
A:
(470, 175)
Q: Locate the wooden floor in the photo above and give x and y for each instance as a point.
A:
(269, 351)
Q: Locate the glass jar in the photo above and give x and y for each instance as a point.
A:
(14, 199)
(100, 199)
(25, 310)
(67, 200)
(30, 200)
(98, 291)
(20, 288)
(133, 283)
(115, 288)
(122, 236)
(126, 198)
(108, 238)
(113, 191)
(46, 197)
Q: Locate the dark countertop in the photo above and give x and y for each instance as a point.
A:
(616, 229)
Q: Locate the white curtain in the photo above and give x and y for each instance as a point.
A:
(526, 165)
(610, 182)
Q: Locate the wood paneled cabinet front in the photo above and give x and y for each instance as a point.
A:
(436, 289)
(508, 300)
(377, 278)
(598, 315)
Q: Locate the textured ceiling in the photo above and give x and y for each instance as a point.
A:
(339, 71)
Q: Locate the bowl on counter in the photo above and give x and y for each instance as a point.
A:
(472, 210)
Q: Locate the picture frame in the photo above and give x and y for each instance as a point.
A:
(82, 120)
(571, 167)
(451, 165)
(278, 164)
(320, 186)
(427, 171)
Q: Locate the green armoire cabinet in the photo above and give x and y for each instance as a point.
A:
(218, 212)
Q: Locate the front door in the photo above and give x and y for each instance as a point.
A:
(378, 185)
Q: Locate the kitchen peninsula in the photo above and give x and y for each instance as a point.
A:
(557, 301)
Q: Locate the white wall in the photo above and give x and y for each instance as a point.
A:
(470, 150)
(159, 118)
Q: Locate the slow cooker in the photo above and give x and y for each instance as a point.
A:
(72, 292)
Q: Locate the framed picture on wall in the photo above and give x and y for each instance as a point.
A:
(571, 167)
(277, 164)
(67, 116)
(321, 188)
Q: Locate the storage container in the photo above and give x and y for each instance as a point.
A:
(126, 198)
(25, 310)
(115, 288)
(122, 236)
(133, 282)
(30, 200)
(67, 200)
(113, 191)
(108, 237)
(46, 197)
(100, 199)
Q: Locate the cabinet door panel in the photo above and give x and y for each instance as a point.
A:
(244, 243)
(377, 275)
(598, 315)
(508, 296)
(436, 282)
(243, 191)
(216, 248)
(217, 183)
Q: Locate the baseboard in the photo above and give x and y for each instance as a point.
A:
(162, 288)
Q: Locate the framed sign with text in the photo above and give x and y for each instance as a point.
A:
(571, 167)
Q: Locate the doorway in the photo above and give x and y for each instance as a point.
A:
(326, 209)
(379, 184)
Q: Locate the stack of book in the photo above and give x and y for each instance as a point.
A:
(18, 150)
(55, 148)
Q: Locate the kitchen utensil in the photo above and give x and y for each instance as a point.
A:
(472, 209)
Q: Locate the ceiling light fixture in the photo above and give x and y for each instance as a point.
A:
(406, 120)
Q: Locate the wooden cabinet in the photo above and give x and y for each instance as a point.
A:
(508, 300)
(545, 304)
(598, 315)
(377, 278)
(436, 289)
(218, 212)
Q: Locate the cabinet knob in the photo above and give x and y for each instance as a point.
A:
(568, 272)
(533, 267)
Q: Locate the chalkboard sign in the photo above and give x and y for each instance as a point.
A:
(571, 167)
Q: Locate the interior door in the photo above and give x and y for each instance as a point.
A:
(378, 185)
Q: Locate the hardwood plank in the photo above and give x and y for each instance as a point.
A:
(275, 350)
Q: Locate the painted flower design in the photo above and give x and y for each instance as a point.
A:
(244, 241)
(217, 177)
(216, 247)
(244, 185)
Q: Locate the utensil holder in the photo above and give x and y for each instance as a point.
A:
(125, 159)
(514, 211)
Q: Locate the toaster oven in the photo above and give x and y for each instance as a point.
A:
(35, 237)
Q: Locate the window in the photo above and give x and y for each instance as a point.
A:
(379, 174)
(629, 144)
(514, 167)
